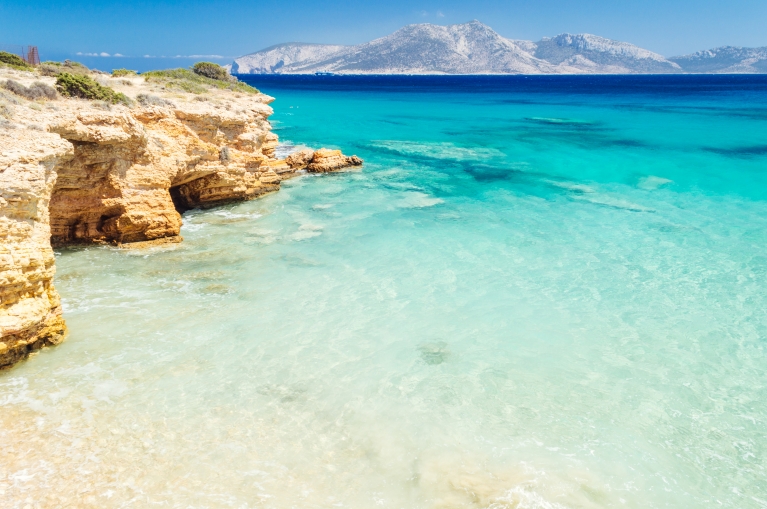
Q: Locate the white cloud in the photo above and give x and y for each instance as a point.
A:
(440, 14)
(102, 54)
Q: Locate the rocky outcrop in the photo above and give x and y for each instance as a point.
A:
(300, 159)
(75, 171)
(30, 310)
(325, 160)
(133, 171)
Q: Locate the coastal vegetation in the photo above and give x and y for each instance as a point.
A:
(213, 71)
(51, 68)
(121, 73)
(74, 79)
(85, 87)
(198, 80)
(33, 92)
(13, 61)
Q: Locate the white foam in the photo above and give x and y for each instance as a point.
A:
(234, 215)
(285, 148)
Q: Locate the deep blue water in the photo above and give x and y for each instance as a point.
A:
(665, 85)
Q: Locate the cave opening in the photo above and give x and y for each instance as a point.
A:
(180, 201)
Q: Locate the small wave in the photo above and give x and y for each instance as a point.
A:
(227, 214)
(192, 227)
(285, 148)
(196, 219)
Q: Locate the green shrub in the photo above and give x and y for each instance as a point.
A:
(189, 81)
(13, 61)
(50, 68)
(85, 87)
(35, 91)
(183, 79)
(212, 71)
(119, 73)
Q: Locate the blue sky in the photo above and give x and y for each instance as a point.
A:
(173, 29)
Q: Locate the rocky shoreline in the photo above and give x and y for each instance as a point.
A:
(74, 171)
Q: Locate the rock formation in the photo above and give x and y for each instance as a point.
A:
(76, 171)
(325, 160)
(30, 311)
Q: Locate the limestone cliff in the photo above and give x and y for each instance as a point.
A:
(30, 312)
(76, 171)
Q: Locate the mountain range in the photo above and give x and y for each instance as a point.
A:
(475, 48)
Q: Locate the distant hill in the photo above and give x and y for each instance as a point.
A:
(277, 59)
(727, 59)
(474, 48)
(588, 53)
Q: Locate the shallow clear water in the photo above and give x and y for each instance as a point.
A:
(537, 293)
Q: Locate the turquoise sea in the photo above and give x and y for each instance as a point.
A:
(538, 292)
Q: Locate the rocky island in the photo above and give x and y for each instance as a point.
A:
(475, 48)
(89, 157)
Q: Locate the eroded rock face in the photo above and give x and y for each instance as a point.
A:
(117, 188)
(301, 159)
(325, 160)
(79, 172)
(30, 309)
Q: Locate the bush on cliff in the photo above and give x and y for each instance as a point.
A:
(35, 91)
(119, 73)
(213, 71)
(85, 87)
(13, 61)
(189, 81)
